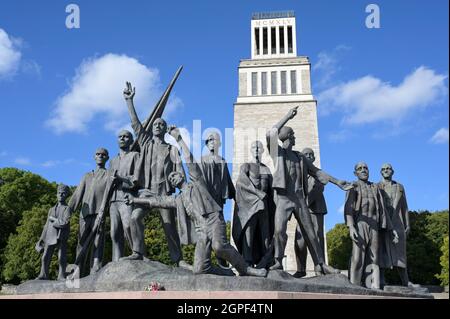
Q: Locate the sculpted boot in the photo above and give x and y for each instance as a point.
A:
(324, 269)
(299, 274)
(250, 271)
(278, 264)
(134, 256)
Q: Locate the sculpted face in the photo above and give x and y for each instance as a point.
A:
(101, 156)
(257, 149)
(309, 154)
(159, 127)
(387, 171)
(362, 171)
(176, 179)
(291, 137)
(62, 194)
(287, 136)
(213, 142)
(125, 139)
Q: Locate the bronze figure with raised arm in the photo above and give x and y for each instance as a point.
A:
(157, 160)
(290, 184)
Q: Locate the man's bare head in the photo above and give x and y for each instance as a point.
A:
(287, 136)
(176, 179)
(125, 139)
(387, 171)
(101, 156)
(159, 127)
(213, 141)
(63, 191)
(309, 154)
(362, 171)
(257, 149)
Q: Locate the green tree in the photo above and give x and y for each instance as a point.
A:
(443, 276)
(20, 191)
(423, 245)
(155, 239)
(437, 226)
(339, 246)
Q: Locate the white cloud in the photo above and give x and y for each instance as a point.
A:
(31, 67)
(341, 209)
(440, 137)
(53, 163)
(10, 54)
(328, 65)
(97, 88)
(339, 136)
(22, 161)
(369, 99)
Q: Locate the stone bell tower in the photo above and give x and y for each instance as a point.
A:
(273, 81)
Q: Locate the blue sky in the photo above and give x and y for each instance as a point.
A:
(382, 93)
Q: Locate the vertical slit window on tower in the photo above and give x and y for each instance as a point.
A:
(274, 40)
(265, 40)
(264, 83)
(281, 37)
(283, 82)
(257, 41)
(273, 82)
(293, 81)
(289, 33)
(254, 83)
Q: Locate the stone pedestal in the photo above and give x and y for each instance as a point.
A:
(121, 278)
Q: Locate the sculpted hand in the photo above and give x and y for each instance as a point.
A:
(129, 91)
(353, 234)
(174, 132)
(114, 178)
(395, 240)
(344, 185)
(293, 112)
(129, 199)
(39, 247)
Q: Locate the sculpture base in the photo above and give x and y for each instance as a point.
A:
(135, 276)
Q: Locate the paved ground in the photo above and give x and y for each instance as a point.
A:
(442, 295)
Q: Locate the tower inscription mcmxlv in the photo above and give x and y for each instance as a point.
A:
(273, 81)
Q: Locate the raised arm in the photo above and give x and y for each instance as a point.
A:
(289, 116)
(195, 171)
(272, 134)
(128, 94)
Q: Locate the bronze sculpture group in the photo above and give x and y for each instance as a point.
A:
(148, 174)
